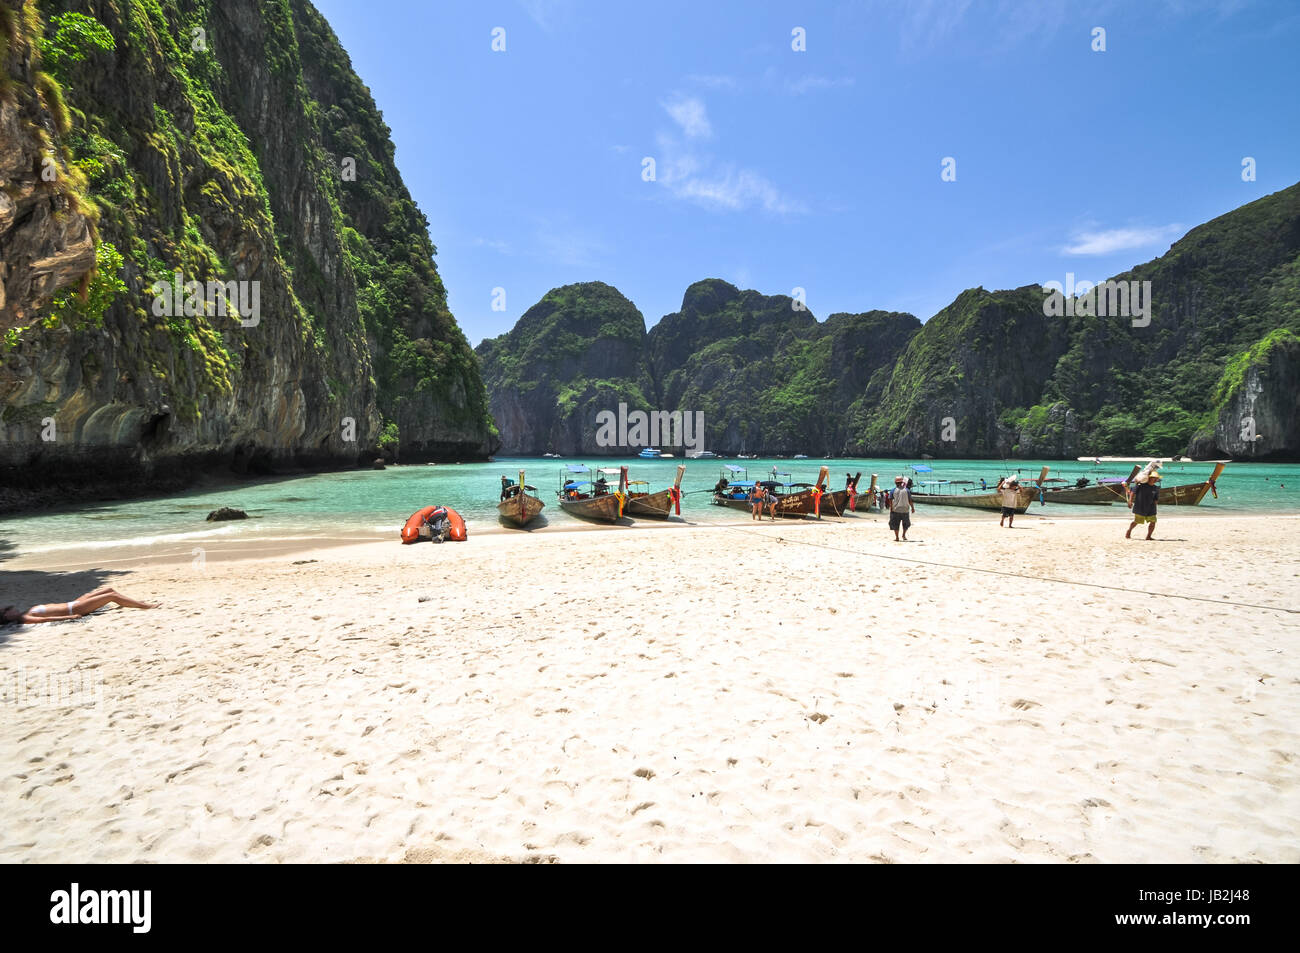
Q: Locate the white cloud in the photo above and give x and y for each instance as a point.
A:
(807, 84)
(493, 243)
(721, 186)
(686, 172)
(689, 113)
(1110, 240)
(735, 189)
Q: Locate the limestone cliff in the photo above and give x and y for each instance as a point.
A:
(578, 351)
(203, 135)
(1258, 415)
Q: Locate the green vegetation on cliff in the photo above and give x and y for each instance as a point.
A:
(576, 352)
(230, 141)
(424, 366)
(990, 375)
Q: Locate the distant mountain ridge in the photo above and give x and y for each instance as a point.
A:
(1213, 372)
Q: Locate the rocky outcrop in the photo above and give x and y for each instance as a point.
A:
(208, 138)
(46, 241)
(578, 351)
(1259, 412)
(223, 513)
(983, 353)
(767, 375)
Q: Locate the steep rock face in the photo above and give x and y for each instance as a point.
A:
(717, 355)
(1014, 381)
(1217, 292)
(1259, 408)
(45, 239)
(429, 382)
(768, 377)
(579, 351)
(205, 156)
(986, 351)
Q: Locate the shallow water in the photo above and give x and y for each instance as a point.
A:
(370, 502)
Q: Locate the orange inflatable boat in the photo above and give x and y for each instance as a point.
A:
(455, 525)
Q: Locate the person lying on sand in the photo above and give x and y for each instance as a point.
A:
(82, 605)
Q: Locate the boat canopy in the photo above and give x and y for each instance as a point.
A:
(734, 469)
(922, 468)
(575, 468)
(741, 483)
(576, 484)
(612, 471)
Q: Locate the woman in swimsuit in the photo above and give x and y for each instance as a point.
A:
(82, 605)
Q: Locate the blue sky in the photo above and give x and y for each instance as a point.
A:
(821, 169)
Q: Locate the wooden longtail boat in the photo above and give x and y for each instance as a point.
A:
(835, 502)
(518, 506)
(658, 506)
(802, 500)
(787, 500)
(1101, 493)
(869, 500)
(733, 488)
(982, 501)
(592, 499)
(1188, 494)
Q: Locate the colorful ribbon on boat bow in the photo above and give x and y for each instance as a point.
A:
(676, 497)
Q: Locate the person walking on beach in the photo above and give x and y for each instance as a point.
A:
(900, 509)
(1142, 497)
(1009, 490)
(82, 605)
(756, 498)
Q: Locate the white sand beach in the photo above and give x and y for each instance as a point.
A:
(789, 692)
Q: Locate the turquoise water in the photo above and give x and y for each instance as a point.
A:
(370, 503)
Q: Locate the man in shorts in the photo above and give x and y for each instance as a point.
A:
(1009, 491)
(1142, 497)
(900, 509)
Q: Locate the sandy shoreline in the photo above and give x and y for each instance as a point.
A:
(1052, 693)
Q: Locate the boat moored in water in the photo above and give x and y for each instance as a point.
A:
(592, 498)
(519, 505)
(642, 504)
(965, 493)
(1186, 494)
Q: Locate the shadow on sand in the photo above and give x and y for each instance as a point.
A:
(29, 587)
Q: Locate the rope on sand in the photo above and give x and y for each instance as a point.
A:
(1017, 575)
